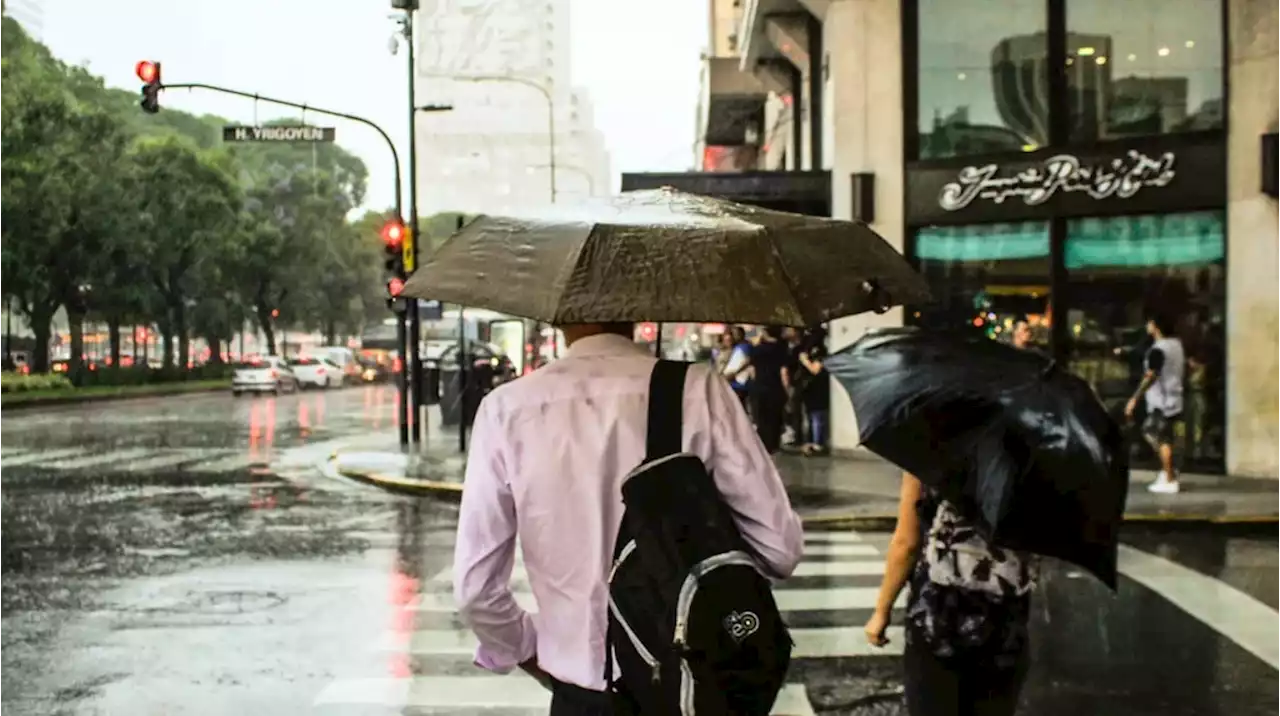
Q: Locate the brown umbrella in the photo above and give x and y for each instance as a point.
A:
(664, 255)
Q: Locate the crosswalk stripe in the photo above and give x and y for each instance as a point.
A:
(839, 550)
(40, 456)
(222, 464)
(810, 643)
(514, 691)
(97, 459)
(169, 458)
(789, 600)
(832, 537)
(865, 568)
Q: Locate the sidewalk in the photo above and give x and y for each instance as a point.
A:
(861, 489)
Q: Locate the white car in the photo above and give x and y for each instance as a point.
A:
(263, 375)
(316, 373)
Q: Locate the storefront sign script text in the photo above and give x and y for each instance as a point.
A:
(1121, 177)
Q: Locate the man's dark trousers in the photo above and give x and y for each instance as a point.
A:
(571, 700)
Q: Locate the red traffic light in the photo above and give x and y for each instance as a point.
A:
(393, 234)
(395, 286)
(148, 71)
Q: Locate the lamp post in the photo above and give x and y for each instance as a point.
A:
(551, 113)
(591, 181)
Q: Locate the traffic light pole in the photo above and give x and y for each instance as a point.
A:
(415, 318)
(401, 336)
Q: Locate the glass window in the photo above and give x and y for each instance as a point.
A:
(1154, 68)
(986, 278)
(982, 82)
(1122, 272)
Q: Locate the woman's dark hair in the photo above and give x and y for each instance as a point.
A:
(1163, 323)
(773, 331)
(738, 333)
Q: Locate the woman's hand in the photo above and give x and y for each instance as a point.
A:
(876, 627)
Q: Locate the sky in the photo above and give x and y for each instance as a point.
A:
(638, 59)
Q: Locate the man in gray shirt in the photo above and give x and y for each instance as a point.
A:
(1161, 388)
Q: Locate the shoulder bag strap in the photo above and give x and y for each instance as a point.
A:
(665, 433)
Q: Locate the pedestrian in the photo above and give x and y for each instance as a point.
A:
(770, 383)
(1021, 338)
(548, 459)
(816, 395)
(738, 369)
(968, 606)
(723, 351)
(794, 433)
(1161, 389)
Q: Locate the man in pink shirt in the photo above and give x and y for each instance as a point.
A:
(548, 457)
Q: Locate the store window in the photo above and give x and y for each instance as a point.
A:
(1153, 68)
(1124, 270)
(981, 79)
(985, 278)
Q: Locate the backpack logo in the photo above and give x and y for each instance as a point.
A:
(741, 625)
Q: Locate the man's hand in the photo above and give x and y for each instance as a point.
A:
(531, 668)
(1130, 407)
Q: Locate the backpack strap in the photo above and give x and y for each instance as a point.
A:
(665, 433)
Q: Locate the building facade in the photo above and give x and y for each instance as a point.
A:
(504, 67)
(1056, 159)
(29, 14)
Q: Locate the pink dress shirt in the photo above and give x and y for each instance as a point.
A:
(548, 456)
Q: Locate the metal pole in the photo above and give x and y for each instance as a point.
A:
(462, 380)
(415, 319)
(551, 128)
(395, 157)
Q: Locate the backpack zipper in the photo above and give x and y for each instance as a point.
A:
(690, 587)
(646, 655)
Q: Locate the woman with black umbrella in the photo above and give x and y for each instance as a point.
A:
(967, 609)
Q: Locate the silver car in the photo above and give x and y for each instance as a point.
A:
(263, 375)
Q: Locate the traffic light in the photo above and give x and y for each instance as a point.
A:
(149, 73)
(393, 235)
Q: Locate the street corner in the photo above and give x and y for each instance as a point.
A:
(399, 473)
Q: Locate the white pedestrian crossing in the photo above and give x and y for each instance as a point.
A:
(131, 459)
(826, 600)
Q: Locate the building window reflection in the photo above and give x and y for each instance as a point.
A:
(1122, 271)
(986, 277)
(981, 80)
(1155, 68)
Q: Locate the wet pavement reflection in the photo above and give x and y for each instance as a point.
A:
(182, 557)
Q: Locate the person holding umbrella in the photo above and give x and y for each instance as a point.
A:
(967, 611)
(1007, 457)
(613, 469)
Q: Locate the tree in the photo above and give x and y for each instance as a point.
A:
(61, 190)
(187, 205)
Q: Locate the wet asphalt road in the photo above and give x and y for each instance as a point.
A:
(182, 556)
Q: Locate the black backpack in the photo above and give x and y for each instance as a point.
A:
(692, 619)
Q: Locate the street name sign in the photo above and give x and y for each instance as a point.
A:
(278, 133)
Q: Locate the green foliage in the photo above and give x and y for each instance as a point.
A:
(124, 217)
(18, 383)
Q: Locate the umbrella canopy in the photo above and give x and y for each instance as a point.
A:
(1020, 445)
(665, 255)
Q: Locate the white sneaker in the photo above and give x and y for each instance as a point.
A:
(1164, 486)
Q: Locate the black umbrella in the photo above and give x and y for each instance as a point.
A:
(665, 255)
(1022, 446)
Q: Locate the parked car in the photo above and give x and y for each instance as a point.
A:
(345, 359)
(316, 373)
(263, 375)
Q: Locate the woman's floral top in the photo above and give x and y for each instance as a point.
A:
(968, 598)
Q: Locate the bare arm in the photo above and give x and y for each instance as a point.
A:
(903, 547)
(813, 366)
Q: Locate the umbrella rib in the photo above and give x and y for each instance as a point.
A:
(566, 272)
(786, 275)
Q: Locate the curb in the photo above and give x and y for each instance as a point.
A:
(80, 400)
(882, 522)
